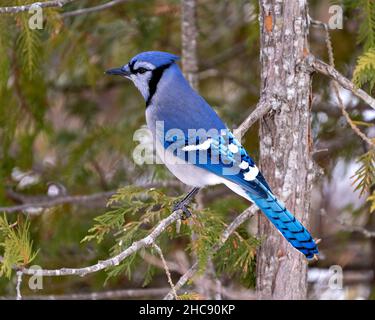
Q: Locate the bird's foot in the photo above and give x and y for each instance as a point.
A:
(182, 206)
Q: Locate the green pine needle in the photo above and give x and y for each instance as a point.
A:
(364, 177)
(15, 245)
(364, 71)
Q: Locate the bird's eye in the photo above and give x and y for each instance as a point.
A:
(141, 70)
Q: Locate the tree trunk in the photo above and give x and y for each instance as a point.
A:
(285, 148)
(189, 41)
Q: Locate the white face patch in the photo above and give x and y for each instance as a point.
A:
(233, 148)
(143, 64)
(203, 146)
(141, 82)
(251, 174)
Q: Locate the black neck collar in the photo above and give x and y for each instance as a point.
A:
(154, 80)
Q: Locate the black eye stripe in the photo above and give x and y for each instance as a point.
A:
(136, 71)
(141, 70)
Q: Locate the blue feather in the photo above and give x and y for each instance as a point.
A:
(179, 107)
(257, 190)
(157, 58)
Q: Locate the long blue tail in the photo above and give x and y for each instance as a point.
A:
(287, 224)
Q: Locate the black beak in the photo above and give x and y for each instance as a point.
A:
(122, 71)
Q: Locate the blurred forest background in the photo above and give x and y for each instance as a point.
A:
(67, 142)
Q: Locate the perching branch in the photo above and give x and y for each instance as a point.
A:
(114, 261)
(249, 212)
(46, 4)
(137, 245)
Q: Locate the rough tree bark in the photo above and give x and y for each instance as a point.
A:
(285, 146)
(189, 36)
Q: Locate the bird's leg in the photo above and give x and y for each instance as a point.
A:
(182, 205)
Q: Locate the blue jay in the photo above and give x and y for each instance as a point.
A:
(182, 112)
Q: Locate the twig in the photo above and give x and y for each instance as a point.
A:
(249, 212)
(114, 261)
(48, 202)
(46, 4)
(349, 227)
(52, 202)
(113, 294)
(61, 3)
(166, 270)
(259, 112)
(151, 259)
(347, 117)
(317, 23)
(18, 286)
(100, 7)
(332, 73)
(336, 88)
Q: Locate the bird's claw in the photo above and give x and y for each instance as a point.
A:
(185, 212)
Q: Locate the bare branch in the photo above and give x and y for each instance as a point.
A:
(101, 7)
(349, 227)
(18, 286)
(114, 261)
(61, 3)
(317, 23)
(113, 294)
(332, 73)
(46, 4)
(347, 117)
(259, 112)
(249, 212)
(336, 88)
(86, 200)
(137, 245)
(151, 259)
(52, 202)
(166, 270)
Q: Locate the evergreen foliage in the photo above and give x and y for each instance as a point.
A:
(133, 212)
(63, 121)
(16, 247)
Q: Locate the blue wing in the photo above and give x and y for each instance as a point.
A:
(224, 156)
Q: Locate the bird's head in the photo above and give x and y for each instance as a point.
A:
(145, 70)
